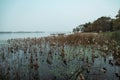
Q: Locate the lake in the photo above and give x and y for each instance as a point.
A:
(6, 36)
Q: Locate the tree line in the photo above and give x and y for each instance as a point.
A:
(102, 24)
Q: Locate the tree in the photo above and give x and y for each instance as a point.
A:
(116, 24)
(74, 30)
(118, 15)
(101, 24)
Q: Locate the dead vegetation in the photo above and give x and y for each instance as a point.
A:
(52, 50)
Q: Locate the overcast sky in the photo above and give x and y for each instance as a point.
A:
(52, 15)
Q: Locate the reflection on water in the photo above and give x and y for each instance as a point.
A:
(19, 60)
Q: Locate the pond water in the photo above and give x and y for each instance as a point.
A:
(45, 62)
(26, 60)
(6, 36)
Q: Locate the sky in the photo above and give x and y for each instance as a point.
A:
(53, 15)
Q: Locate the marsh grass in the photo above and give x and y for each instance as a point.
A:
(62, 57)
